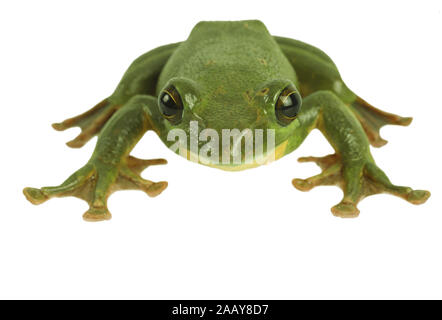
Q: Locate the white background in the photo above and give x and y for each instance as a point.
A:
(215, 234)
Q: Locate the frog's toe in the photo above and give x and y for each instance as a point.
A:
(329, 176)
(129, 179)
(81, 139)
(323, 162)
(156, 188)
(418, 196)
(96, 214)
(138, 165)
(345, 209)
(381, 183)
(302, 184)
(34, 195)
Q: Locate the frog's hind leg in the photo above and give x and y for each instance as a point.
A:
(373, 119)
(140, 78)
(316, 71)
(90, 122)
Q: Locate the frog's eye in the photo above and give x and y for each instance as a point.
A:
(171, 105)
(288, 105)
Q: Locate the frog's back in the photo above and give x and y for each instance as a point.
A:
(241, 50)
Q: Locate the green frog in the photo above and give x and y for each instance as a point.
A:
(231, 96)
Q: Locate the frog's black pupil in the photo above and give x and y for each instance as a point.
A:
(290, 107)
(169, 107)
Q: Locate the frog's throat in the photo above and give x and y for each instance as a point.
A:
(278, 152)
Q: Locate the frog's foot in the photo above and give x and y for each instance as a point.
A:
(373, 119)
(90, 123)
(357, 181)
(96, 181)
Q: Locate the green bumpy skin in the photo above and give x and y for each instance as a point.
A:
(229, 75)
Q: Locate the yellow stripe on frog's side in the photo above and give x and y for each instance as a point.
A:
(279, 152)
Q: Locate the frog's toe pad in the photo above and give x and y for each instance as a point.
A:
(418, 196)
(345, 210)
(156, 188)
(96, 214)
(302, 184)
(59, 126)
(34, 195)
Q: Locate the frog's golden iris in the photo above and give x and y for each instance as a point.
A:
(171, 105)
(288, 105)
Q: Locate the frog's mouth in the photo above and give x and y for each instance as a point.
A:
(253, 162)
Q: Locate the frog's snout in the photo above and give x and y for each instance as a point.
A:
(241, 143)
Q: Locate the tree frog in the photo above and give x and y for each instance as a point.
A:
(230, 76)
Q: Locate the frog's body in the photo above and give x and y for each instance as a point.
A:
(227, 76)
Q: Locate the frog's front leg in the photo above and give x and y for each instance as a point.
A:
(352, 167)
(110, 168)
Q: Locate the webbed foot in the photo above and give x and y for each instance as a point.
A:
(90, 123)
(373, 119)
(357, 181)
(96, 181)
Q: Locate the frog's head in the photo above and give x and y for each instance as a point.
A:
(230, 123)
